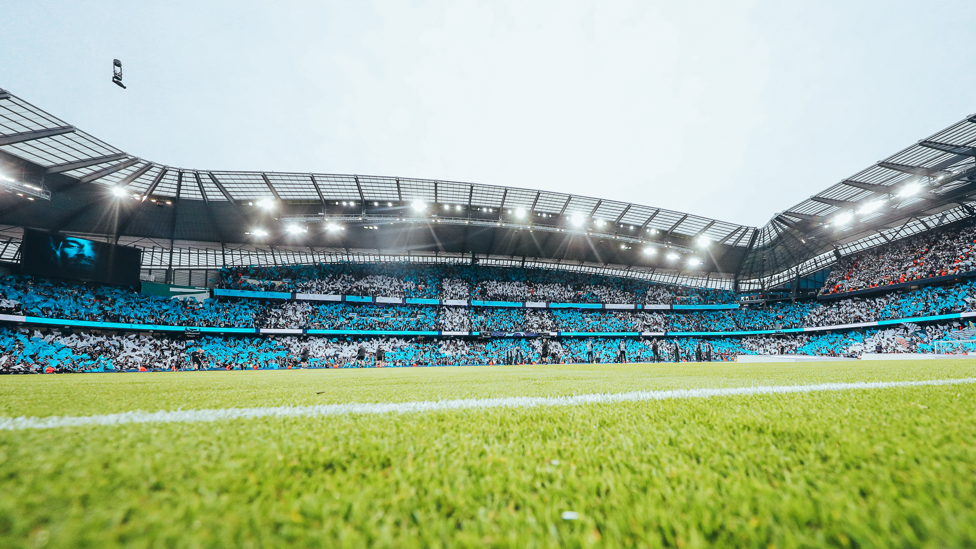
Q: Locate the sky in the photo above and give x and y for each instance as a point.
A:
(728, 109)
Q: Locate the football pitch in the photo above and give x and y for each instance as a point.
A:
(667, 455)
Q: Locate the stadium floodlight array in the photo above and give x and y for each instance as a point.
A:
(20, 188)
(302, 219)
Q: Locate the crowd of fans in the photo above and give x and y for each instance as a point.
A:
(921, 257)
(927, 256)
(456, 281)
(45, 298)
(28, 350)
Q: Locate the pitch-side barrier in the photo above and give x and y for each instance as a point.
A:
(789, 358)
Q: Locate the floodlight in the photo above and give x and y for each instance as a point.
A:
(870, 207)
(419, 206)
(118, 191)
(843, 218)
(295, 229)
(703, 241)
(908, 190)
(458, 207)
(650, 251)
(265, 203)
(694, 262)
(259, 232)
(5, 178)
(334, 227)
(672, 256)
(600, 222)
(577, 220)
(519, 213)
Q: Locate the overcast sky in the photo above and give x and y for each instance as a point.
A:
(727, 109)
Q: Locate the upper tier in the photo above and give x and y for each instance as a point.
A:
(60, 304)
(463, 282)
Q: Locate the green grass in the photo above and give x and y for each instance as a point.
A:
(889, 467)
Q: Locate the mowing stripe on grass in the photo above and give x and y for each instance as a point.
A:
(186, 416)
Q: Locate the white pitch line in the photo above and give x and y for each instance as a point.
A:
(188, 416)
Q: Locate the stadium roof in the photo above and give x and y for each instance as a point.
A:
(98, 189)
(73, 182)
(924, 186)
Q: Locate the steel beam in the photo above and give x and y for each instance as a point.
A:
(12, 138)
(127, 180)
(595, 208)
(919, 170)
(172, 226)
(961, 150)
(873, 187)
(566, 205)
(835, 202)
(221, 188)
(362, 197)
(271, 188)
(649, 219)
(318, 191)
(109, 170)
(803, 216)
(891, 190)
(152, 186)
(701, 232)
(744, 232)
(78, 164)
(210, 213)
(676, 225)
(728, 236)
(623, 213)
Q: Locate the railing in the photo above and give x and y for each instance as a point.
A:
(380, 300)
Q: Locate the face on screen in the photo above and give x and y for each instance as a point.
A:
(75, 254)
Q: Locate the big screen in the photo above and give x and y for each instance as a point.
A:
(59, 255)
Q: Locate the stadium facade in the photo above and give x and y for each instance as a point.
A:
(191, 221)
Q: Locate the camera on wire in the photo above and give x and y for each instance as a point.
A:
(117, 73)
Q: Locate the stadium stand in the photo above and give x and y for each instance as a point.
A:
(916, 259)
(440, 272)
(464, 282)
(27, 350)
(71, 301)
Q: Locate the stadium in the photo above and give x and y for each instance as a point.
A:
(207, 357)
